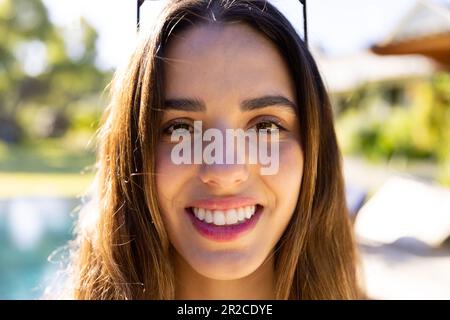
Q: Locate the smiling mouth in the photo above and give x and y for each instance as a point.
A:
(224, 225)
(224, 217)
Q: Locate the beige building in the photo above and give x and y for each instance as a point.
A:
(425, 31)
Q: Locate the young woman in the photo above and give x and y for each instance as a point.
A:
(164, 230)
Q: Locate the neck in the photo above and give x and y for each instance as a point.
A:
(191, 285)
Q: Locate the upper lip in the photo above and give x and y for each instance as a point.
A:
(223, 203)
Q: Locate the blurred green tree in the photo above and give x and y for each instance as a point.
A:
(43, 70)
(413, 128)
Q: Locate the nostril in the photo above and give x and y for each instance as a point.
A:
(224, 175)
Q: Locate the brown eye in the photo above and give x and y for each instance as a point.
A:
(267, 126)
(181, 128)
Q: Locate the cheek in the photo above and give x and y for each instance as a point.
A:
(170, 178)
(285, 185)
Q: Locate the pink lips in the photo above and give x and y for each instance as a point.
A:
(224, 232)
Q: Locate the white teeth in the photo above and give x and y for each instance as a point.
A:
(208, 216)
(231, 216)
(224, 217)
(200, 213)
(249, 212)
(241, 214)
(219, 218)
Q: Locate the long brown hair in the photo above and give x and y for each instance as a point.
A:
(122, 247)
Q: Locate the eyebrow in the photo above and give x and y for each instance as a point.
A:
(185, 104)
(197, 105)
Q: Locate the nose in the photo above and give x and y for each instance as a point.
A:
(224, 175)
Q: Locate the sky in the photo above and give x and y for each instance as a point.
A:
(338, 27)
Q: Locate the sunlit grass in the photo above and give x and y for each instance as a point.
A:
(52, 167)
(20, 184)
(52, 156)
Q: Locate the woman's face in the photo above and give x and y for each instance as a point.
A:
(224, 219)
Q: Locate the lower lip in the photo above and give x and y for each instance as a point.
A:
(225, 232)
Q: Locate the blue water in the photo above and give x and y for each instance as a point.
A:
(31, 230)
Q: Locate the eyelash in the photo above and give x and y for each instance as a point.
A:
(168, 130)
(271, 121)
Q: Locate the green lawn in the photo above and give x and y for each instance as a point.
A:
(19, 184)
(57, 167)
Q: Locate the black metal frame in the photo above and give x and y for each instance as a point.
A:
(138, 13)
(303, 2)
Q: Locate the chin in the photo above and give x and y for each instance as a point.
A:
(226, 265)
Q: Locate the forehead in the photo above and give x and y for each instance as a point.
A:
(217, 60)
